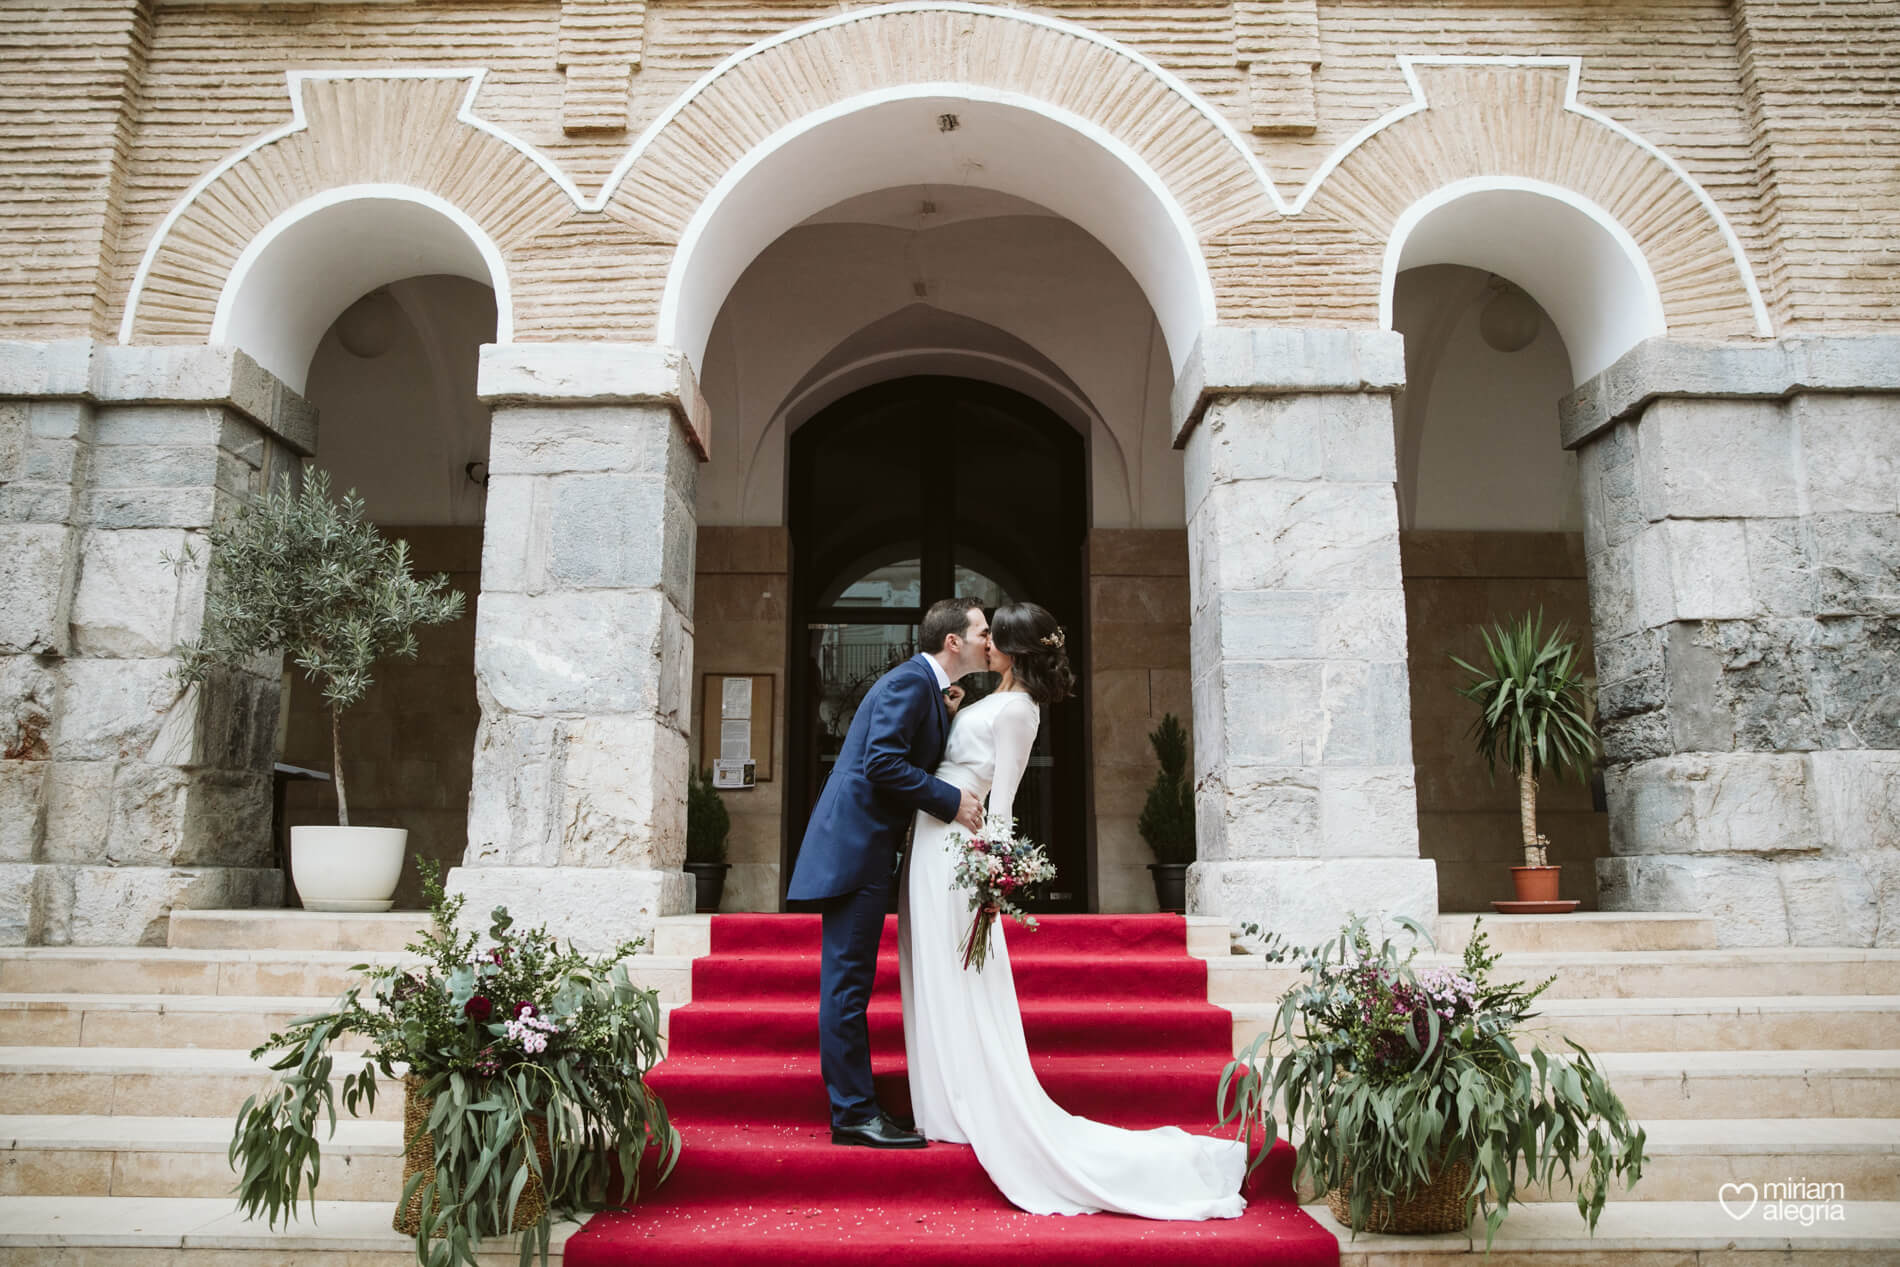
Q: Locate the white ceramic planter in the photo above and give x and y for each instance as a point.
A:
(347, 868)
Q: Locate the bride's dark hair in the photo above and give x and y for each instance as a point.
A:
(1035, 644)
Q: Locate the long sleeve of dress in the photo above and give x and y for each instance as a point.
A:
(1012, 738)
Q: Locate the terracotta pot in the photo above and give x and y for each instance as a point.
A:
(1535, 884)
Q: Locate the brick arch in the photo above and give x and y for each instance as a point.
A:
(1109, 97)
(349, 129)
(1519, 118)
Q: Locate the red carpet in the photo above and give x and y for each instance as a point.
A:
(1118, 1020)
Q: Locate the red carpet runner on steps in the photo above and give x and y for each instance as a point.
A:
(1119, 1027)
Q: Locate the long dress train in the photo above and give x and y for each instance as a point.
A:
(970, 1077)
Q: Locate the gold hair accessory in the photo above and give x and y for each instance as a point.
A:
(1055, 639)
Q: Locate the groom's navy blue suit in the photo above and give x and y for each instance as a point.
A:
(881, 779)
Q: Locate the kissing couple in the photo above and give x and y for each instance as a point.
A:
(906, 767)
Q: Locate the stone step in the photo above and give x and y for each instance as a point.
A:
(186, 1232)
(186, 1157)
(303, 973)
(143, 1020)
(1610, 974)
(1754, 1023)
(1644, 1234)
(294, 930)
(1579, 930)
(181, 1157)
(143, 1081)
(1755, 1084)
(181, 1232)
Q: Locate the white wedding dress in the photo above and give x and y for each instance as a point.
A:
(970, 1077)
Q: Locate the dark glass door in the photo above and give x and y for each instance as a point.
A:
(916, 490)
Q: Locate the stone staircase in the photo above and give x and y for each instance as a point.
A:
(121, 1068)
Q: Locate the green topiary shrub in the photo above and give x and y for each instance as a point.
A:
(707, 821)
(1167, 820)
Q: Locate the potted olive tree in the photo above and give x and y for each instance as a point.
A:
(707, 823)
(1531, 703)
(310, 578)
(1167, 817)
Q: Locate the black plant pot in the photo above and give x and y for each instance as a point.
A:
(1170, 886)
(709, 881)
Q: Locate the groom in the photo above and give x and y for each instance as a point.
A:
(881, 779)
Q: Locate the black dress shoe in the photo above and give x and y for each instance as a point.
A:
(879, 1132)
(902, 1121)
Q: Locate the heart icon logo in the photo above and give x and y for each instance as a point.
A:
(1734, 1191)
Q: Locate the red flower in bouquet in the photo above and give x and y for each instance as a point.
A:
(995, 868)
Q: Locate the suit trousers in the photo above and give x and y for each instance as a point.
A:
(854, 925)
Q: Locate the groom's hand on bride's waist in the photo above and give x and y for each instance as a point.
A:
(970, 812)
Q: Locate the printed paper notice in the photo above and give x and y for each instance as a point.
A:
(735, 740)
(734, 774)
(736, 699)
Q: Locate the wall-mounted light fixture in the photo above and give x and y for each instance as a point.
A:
(477, 472)
(1510, 319)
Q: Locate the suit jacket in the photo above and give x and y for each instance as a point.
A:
(881, 779)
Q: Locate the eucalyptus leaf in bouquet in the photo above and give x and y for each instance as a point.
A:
(1388, 1072)
(533, 1060)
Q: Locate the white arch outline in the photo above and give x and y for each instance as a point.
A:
(1408, 64)
(666, 329)
(254, 250)
(1445, 195)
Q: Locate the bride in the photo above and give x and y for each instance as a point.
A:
(970, 1076)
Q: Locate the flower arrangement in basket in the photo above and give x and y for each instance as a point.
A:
(997, 867)
(1412, 1096)
(526, 1097)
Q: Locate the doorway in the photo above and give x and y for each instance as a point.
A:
(919, 489)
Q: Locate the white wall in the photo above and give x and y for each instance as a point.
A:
(401, 426)
(983, 256)
(1478, 432)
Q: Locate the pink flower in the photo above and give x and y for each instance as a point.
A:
(523, 1007)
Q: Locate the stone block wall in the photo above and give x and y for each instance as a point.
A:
(1744, 562)
(124, 794)
(408, 746)
(740, 594)
(1468, 821)
(584, 640)
(1137, 673)
(1305, 804)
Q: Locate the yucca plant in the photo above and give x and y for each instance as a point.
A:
(1531, 702)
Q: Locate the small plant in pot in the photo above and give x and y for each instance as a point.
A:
(1531, 701)
(707, 825)
(310, 578)
(1167, 817)
(524, 1077)
(1413, 1096)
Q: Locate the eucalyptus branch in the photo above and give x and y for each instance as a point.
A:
(1388, 1072)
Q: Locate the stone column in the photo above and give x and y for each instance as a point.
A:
(1742, 508)
(584, 640)
(121, 795)
(1305, 804)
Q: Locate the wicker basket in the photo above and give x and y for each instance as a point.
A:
(418, 1155)
(1438, 1205)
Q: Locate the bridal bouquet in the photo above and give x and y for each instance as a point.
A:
(997, 867)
